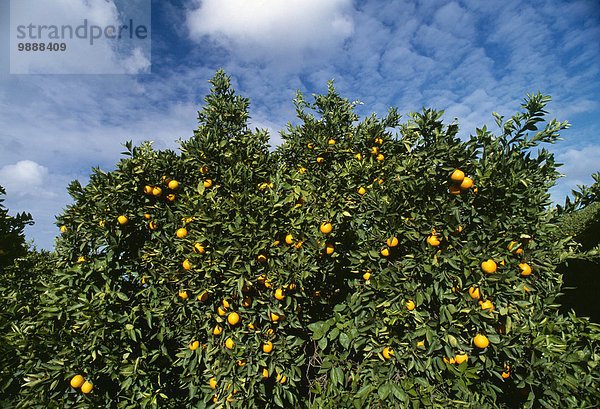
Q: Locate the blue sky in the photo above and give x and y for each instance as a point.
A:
(469, 58)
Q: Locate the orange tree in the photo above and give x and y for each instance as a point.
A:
(367, 263)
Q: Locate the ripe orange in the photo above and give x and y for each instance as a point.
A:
(302, 170)
(122, 220)
(525, 269)
(207, 183)
(331, 142)
(186, 264)
(217, 330)
(279, 294)
(374, 150)
(181, 233)
(156, 191)
(387, 352)
(310, 145)
(170, 197)
(281, 378)
(212, 382)
(489, 266)
(63, 229)
(481, 341)
(86, 387)
(361, 191)
(410, 304)
(487, 304)
(183, 294)
(173, 185)
(81, 259)
(326, 228)
(433, 240)
(457, 176)
(329, 249)
(77, 381)
(261, 258)
(221, 311)
(203, 297)
(267, 347)
(265, 373)
(385, 252)
(320, 159)
(289, 239)
(393, 242)
(194, 345)
(233, 318)
(474, 293)
(358, 156)
(380, 157)
(274, 316)
(152, 225)
(199, 248)
(367, 275)
(454, 190)
(148, 190)
(229, 343)
(467, 183)
(461, 357)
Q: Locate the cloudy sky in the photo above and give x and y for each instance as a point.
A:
(467, 57)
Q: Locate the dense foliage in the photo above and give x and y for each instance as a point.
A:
(361, 264)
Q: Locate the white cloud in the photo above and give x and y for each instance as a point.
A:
(274, 29)
(23, 178)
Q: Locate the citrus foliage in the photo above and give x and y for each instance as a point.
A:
(352, 267)
(12, 238)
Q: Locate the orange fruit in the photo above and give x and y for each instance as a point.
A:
(331, 142)
(186, 264)
(367, 275)
(302, 170)
(374, 150)
(122, 220)
(505, 375)
(310, 145)
(361, 191)
(207, 183)
(421, 344)
(525, 269)
(467, 183)
(433, 240)
(265, 373)
(194, 345)
(148, 190)
(289, 239)
(279, 294)
(233, 318)
(183, 294)
(489, 266)
(474, 293)
(320, 159)
(181, 233)
(281, 378)
(387, 352)
(358, 156)
(170, 197)
(203, 297)
(212, 382)
(481, 341)
(242, 362)
(86, 387)
(77, 381)
(81, 259)
(454, 190)
(152, 225)
(217, 330)
(410, 304)
(173, 185)
(199, 248)
(457, 176)
(487, 304)
(274, 316)
(261, 258)
(326, 228)
(329, 249)
(63, 229)
(221, 311)
(393, 242)
(461, 357)
(267, 347)
(229, 343)
(385, 252)
(156, 191)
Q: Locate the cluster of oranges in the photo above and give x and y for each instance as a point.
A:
(79, 382)
(459, 182)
